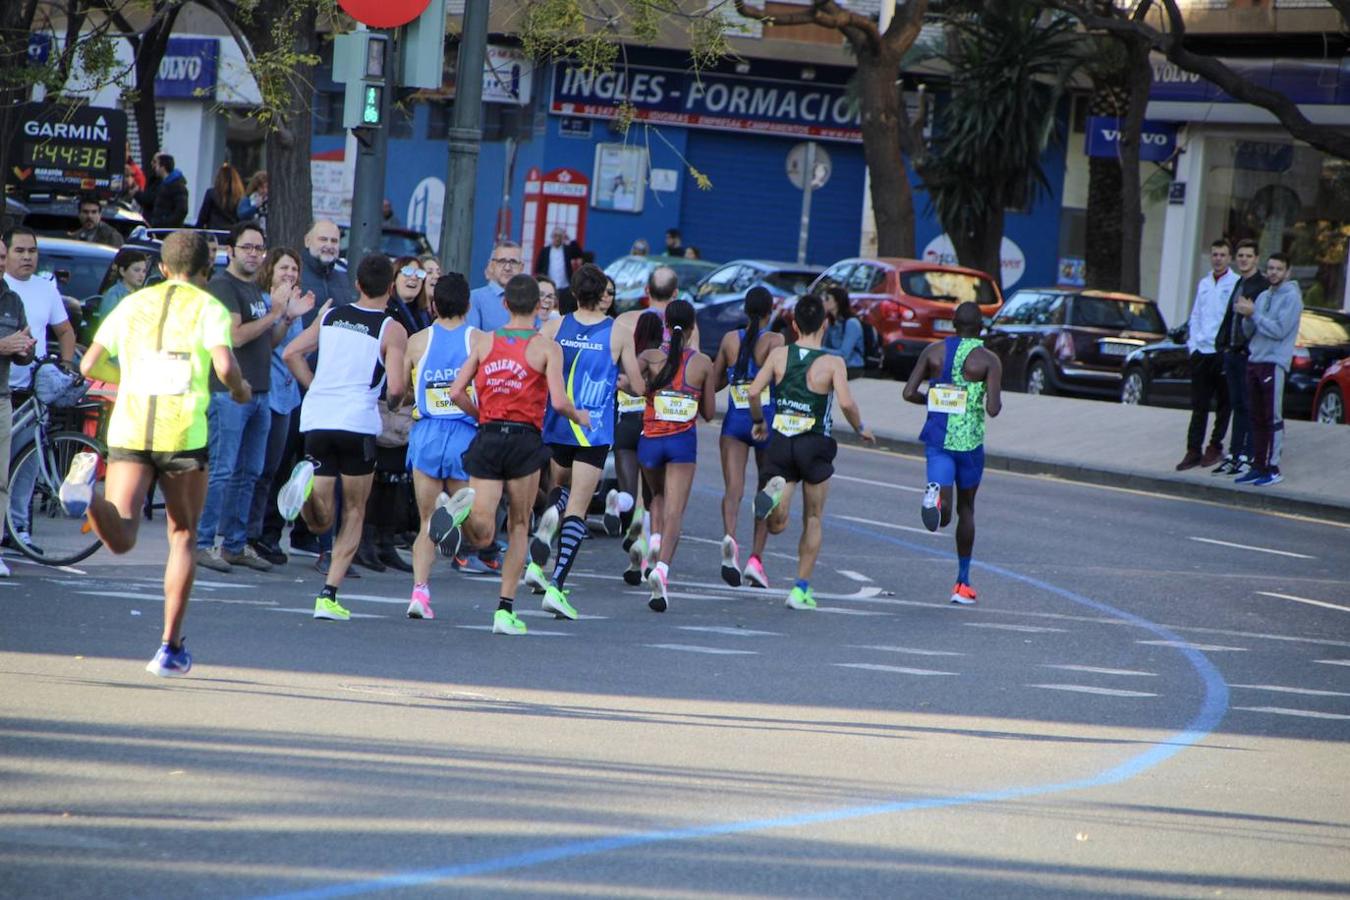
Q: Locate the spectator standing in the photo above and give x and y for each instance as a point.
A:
(1207, 380)
(844, 335)
(220, 206)
(559, 260)
(165, 199)
(253, 207)
(432, 266)
(134, 175)
(93, 230)
(674, 242)
(1231, 342)
(486, 309)
(1271, 324)
(16, 346)
(640, 248)
(319, 272)
(129, 270)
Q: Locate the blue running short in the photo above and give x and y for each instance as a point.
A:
(436, 446)
(655, 452)
(736, 424)
(964, 468)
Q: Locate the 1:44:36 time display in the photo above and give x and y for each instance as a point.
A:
(74, 156)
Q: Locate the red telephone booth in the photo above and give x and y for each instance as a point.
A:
(555, 199)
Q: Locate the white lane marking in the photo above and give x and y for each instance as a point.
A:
(694, 648)
(1097, 670)
(156, 598)
(877, 524)
(197, 582)
(25, 561)
(376, 598)
(1250, 547)
(1290, 690)
(1089, 689)
(854, 576)
(725, 629)
(885, 484)
(851, 612)
(531, 633)
(899, 670)
(913, 651)
(1321, 603)
(1029, 629)
(541, 614)
(1284, 711)
(310, 611)
(1187, 645)
(1333, 662)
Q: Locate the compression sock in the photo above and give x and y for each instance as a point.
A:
(560, 503)
(963, 570)
(329, 591)
(626, 520)
(803, 584)
(573, 533)
(505, 604)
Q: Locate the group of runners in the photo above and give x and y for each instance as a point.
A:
(523, 417)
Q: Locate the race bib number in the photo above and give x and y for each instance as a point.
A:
(162, 374)
(789, 424)
(439, 402)
(947, 399)
(740, 396)
(674, 407)
(630, 404)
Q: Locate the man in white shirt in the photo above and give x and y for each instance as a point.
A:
(1208, 385)
(558, 260)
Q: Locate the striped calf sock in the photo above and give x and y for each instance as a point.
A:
(573, 533)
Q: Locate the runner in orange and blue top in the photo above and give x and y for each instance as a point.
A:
(738, 361)
(964, 382)
(680, 388)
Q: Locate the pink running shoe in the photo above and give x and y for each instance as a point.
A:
(420, 607)
(753, 574)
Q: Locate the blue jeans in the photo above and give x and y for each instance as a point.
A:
(238, 445)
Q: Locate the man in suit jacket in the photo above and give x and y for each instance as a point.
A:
(558, 260)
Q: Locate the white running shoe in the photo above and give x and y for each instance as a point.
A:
(932, 506)
(653, 554)
(656, 579)
(637, 554)
(78, 489)
(613, 524)
(293, 494)
(541, 545)
(443, 527)
(731, 568)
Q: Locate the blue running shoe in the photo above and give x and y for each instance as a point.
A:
(170, 663)
(477, 565)
(1267, 479)
(1253, 475)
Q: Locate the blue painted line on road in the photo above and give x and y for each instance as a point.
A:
(1210, 714)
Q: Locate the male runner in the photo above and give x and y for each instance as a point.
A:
(807, 380)
(594, 347)
(964, 381)
(167, 339)
(441, 431)
(340, 417)
(515, 373)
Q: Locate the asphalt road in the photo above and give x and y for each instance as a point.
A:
(1152, 699)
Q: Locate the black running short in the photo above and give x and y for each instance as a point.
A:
(503, 451)
(803, 457)
(340, 452)
(170, 462)
(566, 454)
(627, 430)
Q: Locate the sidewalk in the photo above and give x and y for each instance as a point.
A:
(1125, 446)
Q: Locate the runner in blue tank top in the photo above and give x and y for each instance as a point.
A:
(738, 361)
(594, 348)
(441, 431)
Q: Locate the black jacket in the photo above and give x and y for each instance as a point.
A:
(571, 258)
(1231, 338)
(165, 201)
(215, 215)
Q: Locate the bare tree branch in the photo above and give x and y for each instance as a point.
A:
(857, 28)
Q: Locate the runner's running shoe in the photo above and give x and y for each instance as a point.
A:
(535, 579)
(800, 599)
(753, 573)
(653, 554)
(478, 565)
(446, 519)
(170, 663)
(613, 525)
(731, 567)
(637, 553)
(932, 506)
(963, 594)
(766, 501)
(555, 601)
(420, 607)
(293, 494)
(656, 579)
(78, 489)
(330, 609)
(504, 622)
(634, 529)
(541, 545)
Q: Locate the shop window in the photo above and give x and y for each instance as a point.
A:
(328, 112)
(438, 120)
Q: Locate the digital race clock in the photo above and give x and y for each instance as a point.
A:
(69, 149)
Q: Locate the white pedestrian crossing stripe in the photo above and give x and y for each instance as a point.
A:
(1097, 670)
(850, 612)
(1274, 688)
(693, 648)
(914, 651)
(1186, 645)
(726, 629)
(1284, 711)
(309, 611)
(533, 632)
(1028, 629)
(899, 670)
(1333, 662)
(1090, 689)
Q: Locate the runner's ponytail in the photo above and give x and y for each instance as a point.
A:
(758, 306)
(680, 318)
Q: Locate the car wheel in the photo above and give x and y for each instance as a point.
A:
(1133, 390)
(1038, 379)
(1331, 407)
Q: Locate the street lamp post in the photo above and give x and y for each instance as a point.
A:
(465, 137)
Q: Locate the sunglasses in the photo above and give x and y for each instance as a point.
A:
(413, 272)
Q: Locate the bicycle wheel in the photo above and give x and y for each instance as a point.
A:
(53, 538)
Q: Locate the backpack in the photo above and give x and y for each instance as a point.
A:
(872, 351)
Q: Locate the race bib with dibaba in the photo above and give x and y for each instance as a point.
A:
(671, 406)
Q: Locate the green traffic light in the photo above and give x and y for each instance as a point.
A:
(370, 109)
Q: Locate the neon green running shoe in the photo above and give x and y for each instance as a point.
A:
(296, 491)
(535, 579)
(504, 622)
(800, 599)
(325, 608)
(555, 601)
(766, 501)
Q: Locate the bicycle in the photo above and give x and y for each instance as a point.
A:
(50, 537)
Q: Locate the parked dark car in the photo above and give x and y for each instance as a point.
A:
(60, 218)
(630, 275)
(395, 242)
(1070, 341)
(1160, 373)
(719, 299)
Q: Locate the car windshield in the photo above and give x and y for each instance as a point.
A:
(689, 272)
(947, 287)
(86, 272)
(790, 282)
(1323, 328)
(397, 244)
(1123, 315)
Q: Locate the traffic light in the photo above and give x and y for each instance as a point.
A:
(360, 62)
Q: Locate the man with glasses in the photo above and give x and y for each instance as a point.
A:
(486, 309)
(238, 431)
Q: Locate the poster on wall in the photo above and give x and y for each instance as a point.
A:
(620, 178)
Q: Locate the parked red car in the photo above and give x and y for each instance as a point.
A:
(909, 302)
(1332, 392)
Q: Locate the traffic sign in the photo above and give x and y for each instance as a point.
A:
(798, 162)
(384, 13)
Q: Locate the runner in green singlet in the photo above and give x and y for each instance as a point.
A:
(807, 381)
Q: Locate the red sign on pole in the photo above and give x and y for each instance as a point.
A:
(384, 13)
